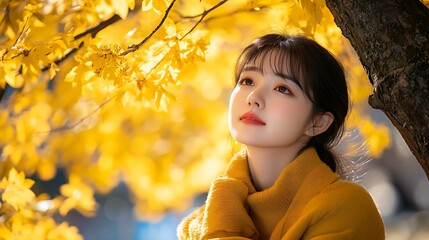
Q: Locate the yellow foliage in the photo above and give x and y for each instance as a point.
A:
(376, 136)
(78, 196)
(25, 216)
(127, 99)
(38, 230)
(16, 189)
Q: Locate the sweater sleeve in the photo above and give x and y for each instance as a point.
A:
(224, 215)
(342, 211)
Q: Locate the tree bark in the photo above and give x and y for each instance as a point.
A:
(391, 39)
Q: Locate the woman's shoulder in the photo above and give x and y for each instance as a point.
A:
(345, 196)
(347, 190)
(344, 209)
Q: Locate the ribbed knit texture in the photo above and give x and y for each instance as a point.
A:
(269, 206)
(307, 201)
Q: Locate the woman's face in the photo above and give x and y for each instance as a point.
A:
(269, 110)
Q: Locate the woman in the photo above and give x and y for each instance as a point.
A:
(288, 109)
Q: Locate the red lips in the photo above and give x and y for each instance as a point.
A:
(251, 118)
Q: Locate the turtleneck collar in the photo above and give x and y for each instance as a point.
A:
(267, 207)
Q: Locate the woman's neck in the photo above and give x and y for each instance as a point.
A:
(266, 164)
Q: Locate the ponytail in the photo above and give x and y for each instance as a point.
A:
(325, 154)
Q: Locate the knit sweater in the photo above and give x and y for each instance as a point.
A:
(307, 201)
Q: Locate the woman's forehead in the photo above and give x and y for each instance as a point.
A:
(269, 61)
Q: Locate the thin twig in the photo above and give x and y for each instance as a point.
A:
(6, 12)
(135, 47)
(157, 64)
(72, 125)
(22, 31)
(203, 15)
(243, 10)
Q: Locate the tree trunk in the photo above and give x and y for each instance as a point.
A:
(391, 39)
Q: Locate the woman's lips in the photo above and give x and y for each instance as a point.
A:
(251, 118)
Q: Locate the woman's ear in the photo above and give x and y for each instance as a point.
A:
(320, 123)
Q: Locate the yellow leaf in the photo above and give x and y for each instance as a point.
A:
(131, 4)
(147, 5)
(64, 231)
(46, 169)
(121, 7)
(5, 128)
(79, 196)
(53, 70)
(13, 152)
(377, 136)
(159, 5)
(14, 80)
(16, 189)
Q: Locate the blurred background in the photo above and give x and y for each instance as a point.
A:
(117, 110)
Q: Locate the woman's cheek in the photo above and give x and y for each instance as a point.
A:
(289, 113)
(281, 109)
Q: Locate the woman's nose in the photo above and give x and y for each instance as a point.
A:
(256, 98)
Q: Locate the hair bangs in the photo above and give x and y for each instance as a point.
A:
(279, 57)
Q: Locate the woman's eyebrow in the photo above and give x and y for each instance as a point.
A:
(252, 68)
(287, 77)
(283, 76)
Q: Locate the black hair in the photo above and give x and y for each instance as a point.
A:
(319, 74)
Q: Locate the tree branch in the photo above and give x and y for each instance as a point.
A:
(135, 47)
(93, 31)
(203, 15)
(99, 27)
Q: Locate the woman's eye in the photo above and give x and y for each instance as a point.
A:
(283, 89)
(246, 81)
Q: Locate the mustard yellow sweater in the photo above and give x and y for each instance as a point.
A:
(307, 201)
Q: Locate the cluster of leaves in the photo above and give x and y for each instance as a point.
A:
(116, 91)
(26, 215)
